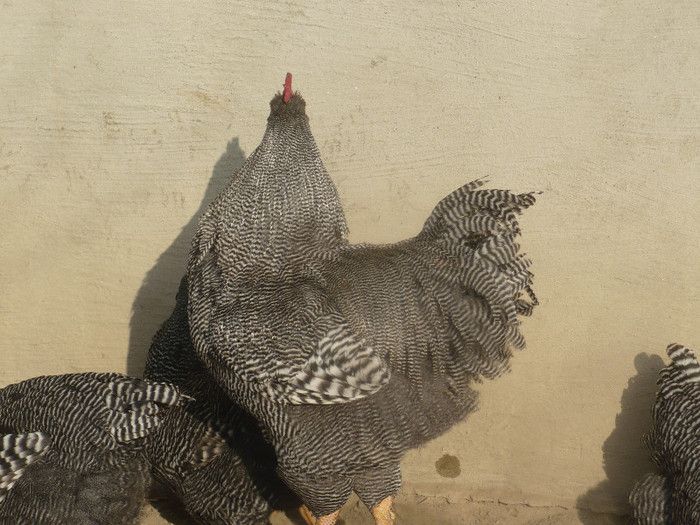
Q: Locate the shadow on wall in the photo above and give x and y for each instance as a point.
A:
(156, 298)
(625, 459)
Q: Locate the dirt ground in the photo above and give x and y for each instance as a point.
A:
(418, 510)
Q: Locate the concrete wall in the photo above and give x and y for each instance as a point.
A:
(120, 121)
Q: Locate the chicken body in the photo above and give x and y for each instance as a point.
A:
(208, 450)
(71, 448)
(674, 495)
(348, 356)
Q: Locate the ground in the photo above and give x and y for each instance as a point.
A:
(418, 510)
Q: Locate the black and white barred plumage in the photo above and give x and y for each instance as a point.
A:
(209, 451)
(651, 500)
(674, 440)
(71, 448)
(350, 355)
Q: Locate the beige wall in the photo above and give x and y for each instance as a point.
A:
(119, 122)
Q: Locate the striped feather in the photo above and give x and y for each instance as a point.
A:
(674, 441)
(651, 500)
(17, 453)
(343, 368)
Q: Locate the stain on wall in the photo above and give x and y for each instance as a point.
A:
(448, 466)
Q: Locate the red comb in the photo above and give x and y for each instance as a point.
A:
(288, 88)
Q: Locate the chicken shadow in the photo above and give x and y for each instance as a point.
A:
(168, 506)
(625, 459)
(155, 299)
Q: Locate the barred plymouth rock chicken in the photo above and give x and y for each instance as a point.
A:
(674, 495)
(72, 448)
(349, 355)
(208, 450)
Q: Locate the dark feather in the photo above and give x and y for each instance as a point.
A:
(72, 447)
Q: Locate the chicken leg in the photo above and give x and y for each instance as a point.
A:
(384, 512)
(329, 519)
(306, 515)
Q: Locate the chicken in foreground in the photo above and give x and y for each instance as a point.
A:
(70, 448)
(208, 451)
(349, 355)
(673, 496)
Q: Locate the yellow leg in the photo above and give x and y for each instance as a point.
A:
(330, 519)
(384, 512)
(306, 515)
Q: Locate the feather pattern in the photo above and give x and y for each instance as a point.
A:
(208, 451)
(342, 368)
(18, 452)
(674, 440)
(650, 499)
(72, 454)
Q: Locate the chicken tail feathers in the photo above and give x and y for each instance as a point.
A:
(470, 213)
(478, 228)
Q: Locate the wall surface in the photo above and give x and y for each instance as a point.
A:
(120, 121)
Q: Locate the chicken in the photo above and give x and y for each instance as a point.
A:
(209, 451)
(72, 448)
(674, 495)
(651, 500)
(349, 355)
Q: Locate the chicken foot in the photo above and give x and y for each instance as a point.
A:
(384, 512)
